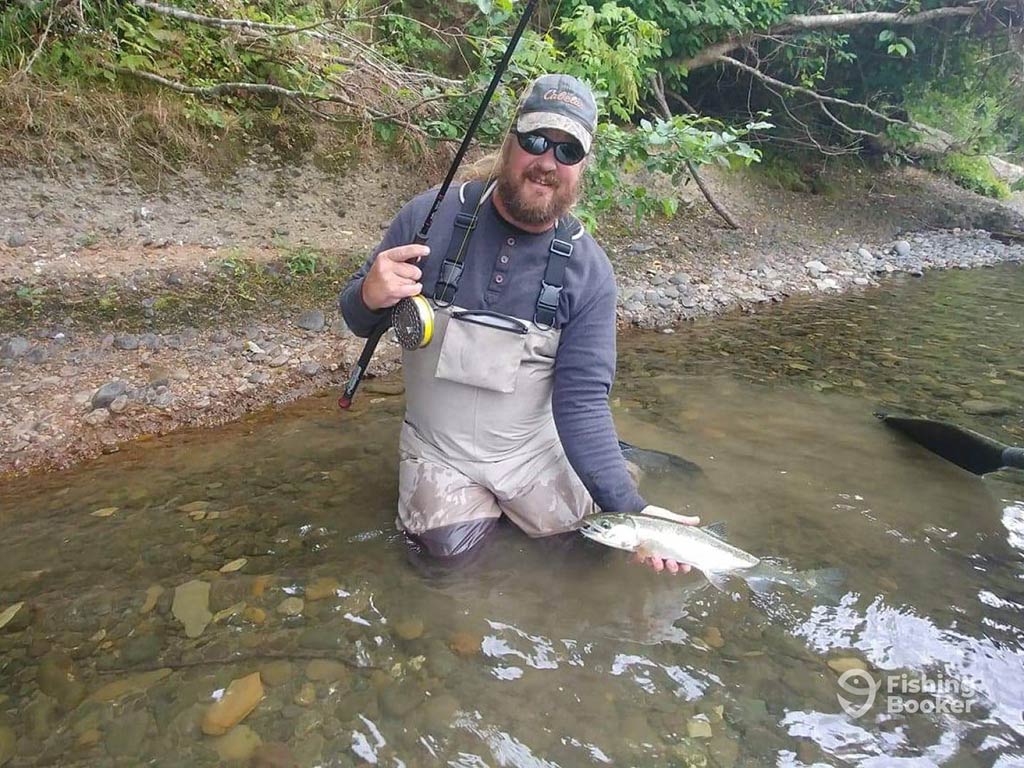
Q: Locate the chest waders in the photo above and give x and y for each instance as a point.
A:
(412, 310)
(479, 437)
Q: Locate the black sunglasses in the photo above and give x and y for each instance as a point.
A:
(566, 152)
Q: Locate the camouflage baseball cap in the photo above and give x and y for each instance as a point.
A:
(562, 102)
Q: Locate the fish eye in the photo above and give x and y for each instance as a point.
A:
(605, 525)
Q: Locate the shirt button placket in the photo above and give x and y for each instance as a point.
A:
(504, 257)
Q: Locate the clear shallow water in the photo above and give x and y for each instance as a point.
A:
(555, 652)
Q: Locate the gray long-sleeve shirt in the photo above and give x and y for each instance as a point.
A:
(504, 266)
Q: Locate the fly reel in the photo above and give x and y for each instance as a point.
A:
(413, 321)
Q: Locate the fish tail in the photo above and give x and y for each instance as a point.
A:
(826, 584)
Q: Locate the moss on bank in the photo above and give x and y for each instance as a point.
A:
(240, 288)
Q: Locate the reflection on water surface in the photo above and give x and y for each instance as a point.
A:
(554, 652)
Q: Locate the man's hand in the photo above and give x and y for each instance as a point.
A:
(391, 278)
(657, 563)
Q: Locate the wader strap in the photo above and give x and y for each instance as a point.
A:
(465, 222)
(551, 286)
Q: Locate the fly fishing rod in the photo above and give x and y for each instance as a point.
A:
(410, 304)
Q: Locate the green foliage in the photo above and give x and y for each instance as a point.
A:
(302, 261)
(614, 49)
(963, 107)
(974, 173)
(692, 24)
(896, 45)
(1018, 185)
(658, 149)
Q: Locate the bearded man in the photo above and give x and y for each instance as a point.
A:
(507, 407)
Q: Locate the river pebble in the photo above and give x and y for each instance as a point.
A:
(655, 299)
(240, 698)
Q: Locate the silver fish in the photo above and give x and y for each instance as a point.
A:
(703, 548)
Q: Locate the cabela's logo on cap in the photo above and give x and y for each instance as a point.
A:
(563, 96)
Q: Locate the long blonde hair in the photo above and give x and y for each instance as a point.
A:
(490, 166)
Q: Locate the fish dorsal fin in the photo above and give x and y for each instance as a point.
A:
(715, 529)
(664, 514)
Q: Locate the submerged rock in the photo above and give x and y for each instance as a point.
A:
(986, 407)
(192, 606)
(238, 701)
(15, 617)
(8, 741)
(846, 663)
(239, 744)
(128, 685)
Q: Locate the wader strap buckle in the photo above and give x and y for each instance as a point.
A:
(551, 286)
(448, 278)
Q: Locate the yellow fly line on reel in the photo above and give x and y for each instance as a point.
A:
(413, 321)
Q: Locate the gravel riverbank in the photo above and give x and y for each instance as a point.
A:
(130, 315)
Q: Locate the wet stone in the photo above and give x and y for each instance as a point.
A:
(57, 677)
(291, 606)
(138, 650)
(438, 712)
(986, 407)
(240, 698)
(15, 618)
(109, 392)
(41, 717)
(306, 695)
(191, 606)
(153, 594)
(846, 663)
(275, 673)
(127, 734)
(326, 670)
(409, 628)
(307, 723)
(322, 588)
(400, 699)
(309, 750)
(238, 744)
(273, 754)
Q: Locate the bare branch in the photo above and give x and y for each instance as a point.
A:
(830, 21)
(363, 51)
(227, 89)
(658, 86)
(844, 126)
(813, 94)
(212, 21)
(27, 69)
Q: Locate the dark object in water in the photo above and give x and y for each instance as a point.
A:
(964, 447)
(657, 461)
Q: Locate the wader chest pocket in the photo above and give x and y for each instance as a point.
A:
(482, 349)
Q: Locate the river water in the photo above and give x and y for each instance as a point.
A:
(555, 652)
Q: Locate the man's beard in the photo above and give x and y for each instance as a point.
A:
(526, 208)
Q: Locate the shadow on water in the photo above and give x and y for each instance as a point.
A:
(554, 652)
